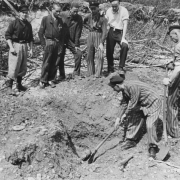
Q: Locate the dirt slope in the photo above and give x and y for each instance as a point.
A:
(42, 149)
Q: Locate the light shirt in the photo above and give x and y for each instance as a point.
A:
(115, 20)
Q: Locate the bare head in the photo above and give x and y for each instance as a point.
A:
(174, 33)
(74, 8)
(55, 9)
(115, 5)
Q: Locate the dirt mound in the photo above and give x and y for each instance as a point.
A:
(44, 133)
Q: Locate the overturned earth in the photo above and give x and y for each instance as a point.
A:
(44, 133)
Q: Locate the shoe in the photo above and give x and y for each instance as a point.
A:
(52, 84)
(19, 85)
(9, 84)
(128, 144)
(121, 71)
(152, 152)
(61, 78)
(42, 85)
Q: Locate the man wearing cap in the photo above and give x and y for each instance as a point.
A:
(137, 93)
(73, 26)
(50, 34)
(117, 17)
(173, 83)
(18, 35)
(95, 42)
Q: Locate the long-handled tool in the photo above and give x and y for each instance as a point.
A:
(90, 155)
(164, 150)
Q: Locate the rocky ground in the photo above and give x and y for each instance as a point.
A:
(43, 133)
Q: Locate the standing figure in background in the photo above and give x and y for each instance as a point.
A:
(50, 34)
(95, 42)
(173, 83)
(18, 35)
(73, 28)
(117, 17)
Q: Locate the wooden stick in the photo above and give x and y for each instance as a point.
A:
(162, 46)
(168, 163)
(12, 8)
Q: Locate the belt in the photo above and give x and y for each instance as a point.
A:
(52, 39)
(20, 41)
(93, 30)
(118, 30)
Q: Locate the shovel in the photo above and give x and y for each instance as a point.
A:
(164, 149)
(90, 155)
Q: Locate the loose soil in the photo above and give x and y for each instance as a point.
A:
(43, 133)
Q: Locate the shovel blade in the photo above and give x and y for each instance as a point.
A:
(163, 152)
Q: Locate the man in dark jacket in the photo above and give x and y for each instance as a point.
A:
(18, 35)
(50, 34)
(74, 24)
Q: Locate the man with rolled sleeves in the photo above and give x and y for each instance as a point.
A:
(50, 34)
(117, 17)
(73, 28)
(18, 35)
(138, 94)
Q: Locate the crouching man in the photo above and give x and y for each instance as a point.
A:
(136, 94)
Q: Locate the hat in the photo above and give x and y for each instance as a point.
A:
(173, 27)
(23, 8)
(116, 80)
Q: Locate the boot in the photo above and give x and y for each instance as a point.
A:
(19, 85)
(9, 84)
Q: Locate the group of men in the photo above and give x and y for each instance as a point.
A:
(60, 30)
(145, 104)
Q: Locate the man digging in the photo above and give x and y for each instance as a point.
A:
(137, 93)
(18, 35)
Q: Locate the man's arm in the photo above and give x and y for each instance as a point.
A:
(104, 30)
(125, 24)
(78, 31)
(8, 36)
(42, 31)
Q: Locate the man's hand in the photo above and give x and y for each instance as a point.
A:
(30, 53)
(166, 81)
(101, 47)
(13, 51)
(123, 40)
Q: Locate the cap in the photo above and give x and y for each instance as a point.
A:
(23, 8)
(173, 27)
(116, 79)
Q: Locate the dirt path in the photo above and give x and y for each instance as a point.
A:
(34, 145)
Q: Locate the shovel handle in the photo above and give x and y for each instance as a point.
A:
(164, 112)
(100, 144)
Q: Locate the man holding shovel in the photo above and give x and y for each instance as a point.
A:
(173, 83)
(137, 93)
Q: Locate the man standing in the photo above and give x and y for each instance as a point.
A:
(18, 35)
(74, 24)
(50, 34)
(117, 17)
(173, 83)
(95, 42)
(138, 94)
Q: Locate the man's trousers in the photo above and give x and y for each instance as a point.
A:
(136, 120)
(173, 109)
(93, 42)
(49, 67)
(17, 64)
(113, 37)
(77, 56)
